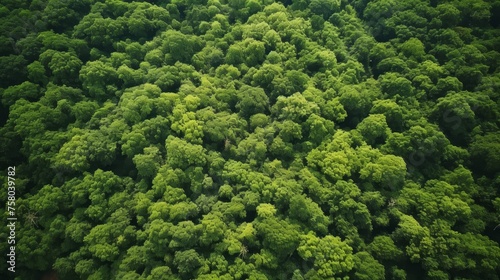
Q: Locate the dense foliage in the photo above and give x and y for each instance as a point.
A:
(232, 139)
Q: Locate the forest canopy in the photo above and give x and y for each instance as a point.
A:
(256, 139)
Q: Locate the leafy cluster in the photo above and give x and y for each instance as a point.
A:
(231, 139)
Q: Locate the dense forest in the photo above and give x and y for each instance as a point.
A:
(251, 139)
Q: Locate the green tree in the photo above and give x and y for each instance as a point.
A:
(278, 235)
(392, 84)
(413, 49)
(374, 129)
(37, 73)
(484, 152)
(60, 15)
(252, 101)
(98, 31)
(213, 229)
(181, 154)
(331, 257)
(324, 8)
(12, 70)
(308, 212)
(187, 262)
(148, 163)
(178, 46)
(367, 267)
(357, 101)
(295, 108)
(383, 248)
(26, 90)
(64, 67)
(99, 79)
